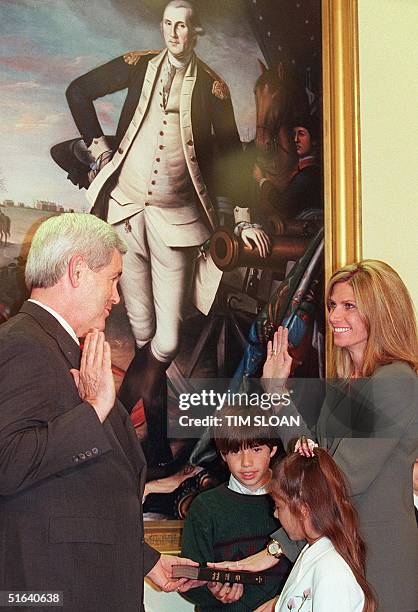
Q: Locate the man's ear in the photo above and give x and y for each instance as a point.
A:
(273, 451)
(76, 265)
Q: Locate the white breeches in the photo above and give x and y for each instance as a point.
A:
(156, 283)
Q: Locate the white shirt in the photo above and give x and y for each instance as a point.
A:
(321, 581)
(59, 318)
(238, 487)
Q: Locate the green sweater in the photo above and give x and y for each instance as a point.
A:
(223, 525)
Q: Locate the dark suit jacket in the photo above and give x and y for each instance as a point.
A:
(70, 487)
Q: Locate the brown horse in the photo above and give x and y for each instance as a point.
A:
(4, 228)
(278, 100)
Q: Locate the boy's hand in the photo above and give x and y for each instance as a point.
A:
(226, 593)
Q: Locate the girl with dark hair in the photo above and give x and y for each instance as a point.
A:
(313, 504)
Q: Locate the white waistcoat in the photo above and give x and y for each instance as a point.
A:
(155, 176)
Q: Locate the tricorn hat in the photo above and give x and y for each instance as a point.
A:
(74, 157)
(309, 122)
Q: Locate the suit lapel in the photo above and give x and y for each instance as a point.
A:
(334, 403)
(188, 140)
(341, 414)
(66, 344)
(143, 104)
(333, 444)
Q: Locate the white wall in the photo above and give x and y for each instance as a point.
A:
(389, 134)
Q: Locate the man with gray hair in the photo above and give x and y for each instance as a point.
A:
(72, 471)
(176, 149)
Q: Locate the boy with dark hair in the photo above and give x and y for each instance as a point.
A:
(228, 522)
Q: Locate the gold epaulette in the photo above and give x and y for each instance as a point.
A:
(133, 57)
(219, 88)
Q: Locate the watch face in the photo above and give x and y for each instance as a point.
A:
(274, 548)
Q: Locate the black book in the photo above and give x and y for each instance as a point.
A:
(210, 574)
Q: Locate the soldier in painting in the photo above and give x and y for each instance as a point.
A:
(155, 182)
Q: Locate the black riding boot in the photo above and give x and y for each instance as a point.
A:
(131, 389)
(146, 378)
(150, 383)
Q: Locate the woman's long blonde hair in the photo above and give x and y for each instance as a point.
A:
(386, 307)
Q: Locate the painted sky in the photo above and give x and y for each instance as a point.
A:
(44, 44)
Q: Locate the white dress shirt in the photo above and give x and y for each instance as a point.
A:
(238, 487)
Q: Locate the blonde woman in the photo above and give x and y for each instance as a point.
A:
(369, 421)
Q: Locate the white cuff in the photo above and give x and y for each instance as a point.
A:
(99, 146)
(242, 214)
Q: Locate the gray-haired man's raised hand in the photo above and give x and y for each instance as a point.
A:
(94, 379)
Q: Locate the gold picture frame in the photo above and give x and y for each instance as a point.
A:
(342, 179)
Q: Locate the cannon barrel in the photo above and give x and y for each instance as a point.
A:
(229, 252)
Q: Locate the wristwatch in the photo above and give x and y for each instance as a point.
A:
(274, 549)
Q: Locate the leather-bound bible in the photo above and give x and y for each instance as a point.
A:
(210, 574)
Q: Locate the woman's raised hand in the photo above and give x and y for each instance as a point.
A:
(277, 366)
